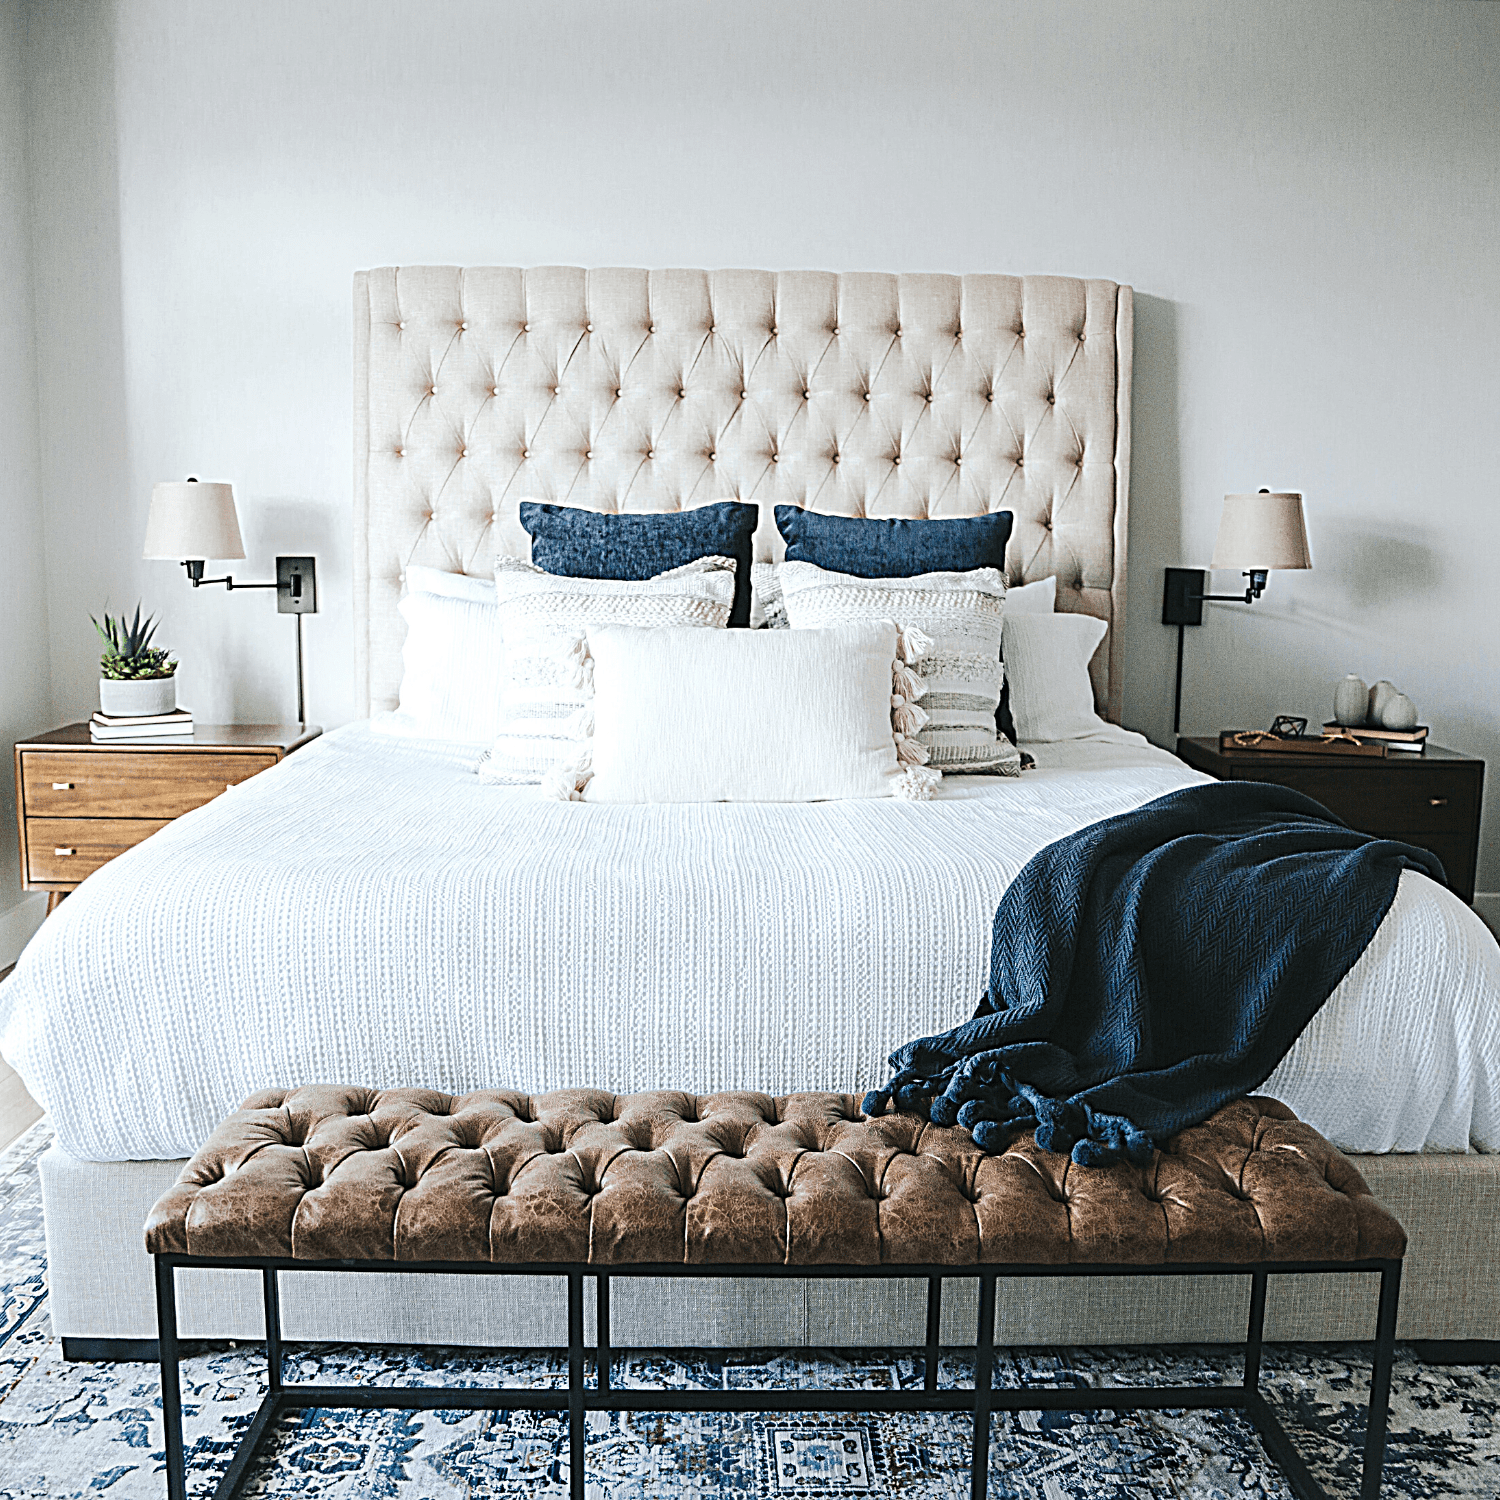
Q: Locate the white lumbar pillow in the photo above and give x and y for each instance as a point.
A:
(545, 619)
(750, 716)
(452, 661)
(962, 614)
(1047, 660)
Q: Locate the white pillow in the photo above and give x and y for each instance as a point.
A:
(746, 716)
(452, 667)
(962, 614)
(1047, 658)
(1039, 598)
(423, 580)
(544, 619)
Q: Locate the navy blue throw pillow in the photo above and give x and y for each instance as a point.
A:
(895, 548)
(576, 543)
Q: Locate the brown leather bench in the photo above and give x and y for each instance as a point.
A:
(584, 1184)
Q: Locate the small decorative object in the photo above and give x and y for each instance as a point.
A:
(1399, 713)
(1263, 741)
(1380, 695)
(136, 678)
(1351, 702)
(1288, 727)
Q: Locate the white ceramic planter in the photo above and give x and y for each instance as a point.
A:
(137, 696)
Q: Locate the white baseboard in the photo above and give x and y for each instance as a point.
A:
(1487, 904)
(21, 921)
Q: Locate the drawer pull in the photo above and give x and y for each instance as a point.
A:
(62, 786)
(1437, 802)
(62, 853)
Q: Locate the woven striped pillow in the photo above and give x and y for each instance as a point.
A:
(962, 613)
(544, 619)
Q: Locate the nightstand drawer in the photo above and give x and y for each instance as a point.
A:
(1385, 800)
(129, 783)
(64, 850)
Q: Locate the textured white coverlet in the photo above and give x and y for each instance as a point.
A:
(370, 912)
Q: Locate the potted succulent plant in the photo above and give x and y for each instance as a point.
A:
(135, 677)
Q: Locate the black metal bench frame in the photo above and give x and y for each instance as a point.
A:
(980, 1399)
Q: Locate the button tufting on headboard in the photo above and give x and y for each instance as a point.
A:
(631, 390)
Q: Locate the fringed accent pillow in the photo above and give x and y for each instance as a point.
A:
(753, 716)
(544, 618)
(962, 614)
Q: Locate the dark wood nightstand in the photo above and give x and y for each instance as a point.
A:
(1431, 800)
(80, 802)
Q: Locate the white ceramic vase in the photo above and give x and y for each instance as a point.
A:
(1400, 713)
(135, 697)
(1351, 701)
(1380, 695)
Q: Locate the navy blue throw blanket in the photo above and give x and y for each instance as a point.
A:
(1152, 967)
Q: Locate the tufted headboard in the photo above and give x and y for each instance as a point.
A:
(857, 394)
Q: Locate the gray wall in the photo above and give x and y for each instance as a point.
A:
(25, 678)
(1305, 195)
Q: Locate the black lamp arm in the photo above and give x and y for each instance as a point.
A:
(195, 576)
(1253, 590)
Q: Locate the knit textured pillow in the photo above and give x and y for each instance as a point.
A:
(544, 620)
(962, 613)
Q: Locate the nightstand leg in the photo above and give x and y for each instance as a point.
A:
(54, 900)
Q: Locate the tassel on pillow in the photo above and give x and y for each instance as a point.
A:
(916, 783)
(565, 782)
(907, 719)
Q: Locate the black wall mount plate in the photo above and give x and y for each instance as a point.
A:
(1182, 599)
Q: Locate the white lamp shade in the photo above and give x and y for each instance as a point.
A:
(191, 522)
(1262, 531)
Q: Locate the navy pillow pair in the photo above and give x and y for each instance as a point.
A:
(592, 544)
(628, 548)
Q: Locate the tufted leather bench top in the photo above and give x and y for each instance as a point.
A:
(337, 1173)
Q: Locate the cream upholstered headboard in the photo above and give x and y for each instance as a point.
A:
(861, 394)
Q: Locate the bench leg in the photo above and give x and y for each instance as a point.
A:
(575, 1385)
(1255, 1330)
(171, 1387)
(271, 1301)
(1380, 1382)
(934, 1331)
(984, 1377)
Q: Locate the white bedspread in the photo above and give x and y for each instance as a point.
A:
(370, 912)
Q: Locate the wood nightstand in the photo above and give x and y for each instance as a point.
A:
(1431, 800)
(80, 802)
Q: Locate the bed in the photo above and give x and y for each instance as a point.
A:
(444, 932)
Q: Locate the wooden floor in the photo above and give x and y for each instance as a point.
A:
(18, 1110)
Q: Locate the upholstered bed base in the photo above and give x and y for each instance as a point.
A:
(101, 1286)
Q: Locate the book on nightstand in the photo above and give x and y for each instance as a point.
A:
(176, 725)
(1412, 741)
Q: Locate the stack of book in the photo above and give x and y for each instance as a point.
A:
(1414, 741)
(177, 725)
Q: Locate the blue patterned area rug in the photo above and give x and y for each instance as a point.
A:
(78, 1430)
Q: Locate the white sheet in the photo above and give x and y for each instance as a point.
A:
(370, 912)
